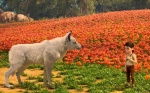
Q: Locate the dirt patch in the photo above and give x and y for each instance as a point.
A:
(12, 79)
(98, 81)
(7, 90)
(84, 87)
(30, 73)
(117, 92)
(57, 77)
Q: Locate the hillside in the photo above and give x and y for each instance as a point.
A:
(102, 36)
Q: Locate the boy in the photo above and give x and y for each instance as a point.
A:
(131, 59)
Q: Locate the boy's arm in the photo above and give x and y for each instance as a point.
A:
(134, 59)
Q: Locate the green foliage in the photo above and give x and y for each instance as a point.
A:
(60, 88)
(4, 59)
(30, 86)
(31, 77)
(39, 79)
(24, 74)
(36, 66)
(39, 9)
(41, 91)
(75, 77)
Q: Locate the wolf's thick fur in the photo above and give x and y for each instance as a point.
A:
(46, 53)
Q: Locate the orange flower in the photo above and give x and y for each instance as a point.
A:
(101, 35)
(67, 62)
(79, 63)
(147, 77)
(146, 71)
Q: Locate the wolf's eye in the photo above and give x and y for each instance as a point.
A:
(74, 42)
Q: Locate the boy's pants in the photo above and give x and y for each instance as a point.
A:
(130, 72)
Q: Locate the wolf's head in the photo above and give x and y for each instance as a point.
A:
(71, 42)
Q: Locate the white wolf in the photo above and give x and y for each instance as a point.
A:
(46, 53)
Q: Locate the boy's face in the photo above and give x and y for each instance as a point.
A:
(128, 50)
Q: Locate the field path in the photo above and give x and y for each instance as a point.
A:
(13, 79)
(29, 72)
(34, 72)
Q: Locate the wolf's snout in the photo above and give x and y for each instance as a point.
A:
(79, 47)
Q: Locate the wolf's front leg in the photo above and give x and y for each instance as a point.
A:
(48, 68)
(45, 77)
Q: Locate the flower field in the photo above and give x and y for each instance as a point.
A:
(102, 36)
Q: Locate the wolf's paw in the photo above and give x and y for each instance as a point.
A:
(46, 84)
(51, 86)
(9, 86)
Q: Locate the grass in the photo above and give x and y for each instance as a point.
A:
(4, 59)
(76, 78)
(30, 86)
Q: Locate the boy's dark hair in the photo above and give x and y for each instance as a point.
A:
(130, 44)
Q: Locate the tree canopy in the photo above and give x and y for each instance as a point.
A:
(67, 8)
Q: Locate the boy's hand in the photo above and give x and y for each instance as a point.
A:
(129, 58)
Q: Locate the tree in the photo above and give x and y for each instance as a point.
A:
(68, 8)
(86, 6)
(139, 4)
(148, 4)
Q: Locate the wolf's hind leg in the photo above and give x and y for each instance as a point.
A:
(20, 71)
(11, 71)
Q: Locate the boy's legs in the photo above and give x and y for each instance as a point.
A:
(128, 75)
(132, 75)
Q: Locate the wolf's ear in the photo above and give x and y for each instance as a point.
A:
(68, 36)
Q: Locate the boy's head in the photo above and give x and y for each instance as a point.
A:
(129, 47)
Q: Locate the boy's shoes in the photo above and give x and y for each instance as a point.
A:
(133, 85)
(127, 85)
